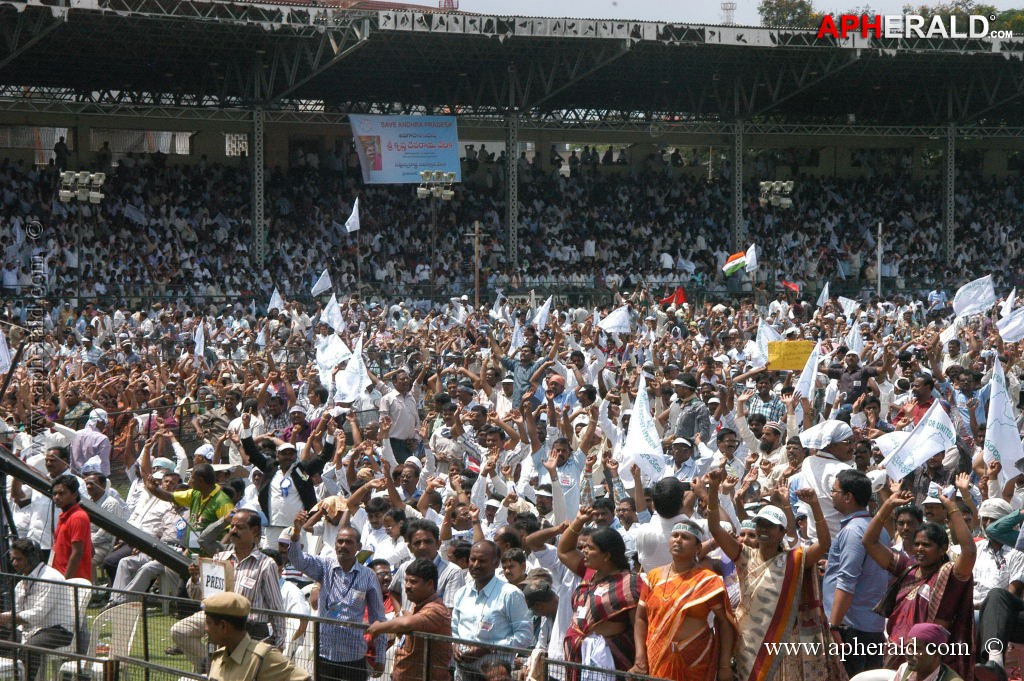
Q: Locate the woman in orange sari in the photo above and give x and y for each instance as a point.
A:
(673, 638)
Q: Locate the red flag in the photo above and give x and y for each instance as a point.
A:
(678, 297)
(795, 288)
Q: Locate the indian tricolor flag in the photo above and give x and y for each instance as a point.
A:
(735, 263)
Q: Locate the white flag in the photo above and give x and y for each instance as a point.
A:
(1006, 307)
(331, 352)
(974, 297)
(352, 224)
(809, 376)
(751, 265)
(200, 339)
(643, 446)
(823, 296)
(950, 332)
(353, 380)
(518, 337)
(854, 340)
(849, 306)
(1011, 329)
(322, 284)
(332, 314)
(540, 320)
(495, 313)
(890, 442)
(617, 321)
(5, 354)
(276, 301)
(1002, 437)
(933, 434)
(766, 333)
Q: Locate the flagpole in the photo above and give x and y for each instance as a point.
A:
(359, 263)
(878, 249)
(476, 260)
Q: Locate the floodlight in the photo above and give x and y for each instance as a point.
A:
(65, 195)
(83, 193)
(82, 178)
(98, 179)
(447, 195)
(67, 177)
(95, 197)
(449, 177)
(787, 186)
(422, 192)
(425, 175)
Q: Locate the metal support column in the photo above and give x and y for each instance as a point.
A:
(949, 191)
(737, 188)
(259, 222)
(512, 171)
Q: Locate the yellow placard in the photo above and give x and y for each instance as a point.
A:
(789, 355)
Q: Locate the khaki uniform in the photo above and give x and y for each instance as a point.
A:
(252, 661)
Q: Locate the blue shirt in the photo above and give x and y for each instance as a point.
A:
(851, 569)
(344, 596)
(494, 615)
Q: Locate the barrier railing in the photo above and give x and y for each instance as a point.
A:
(129, 639)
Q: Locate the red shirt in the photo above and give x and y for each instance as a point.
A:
(919, 409)
(73, 526)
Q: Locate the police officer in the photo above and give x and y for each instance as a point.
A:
(240, 658)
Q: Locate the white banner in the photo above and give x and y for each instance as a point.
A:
(643, 446)
(540, 320)
(322, 284)
(933, 434)
(849, 306)
(974, 297)
(751, 258)
(1006, 307)
(5, 354)
(766, 334)
(353, 380)
(1011, 329)
(1002, 437)
(809, 376)
(617, 321)
(276, 301)
(332, 314)
(823, 296)
(352, 224)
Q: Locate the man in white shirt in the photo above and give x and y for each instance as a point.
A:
(44, 611)
(652, 538)
(833, 441)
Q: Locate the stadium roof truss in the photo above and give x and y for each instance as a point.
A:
(311, 62)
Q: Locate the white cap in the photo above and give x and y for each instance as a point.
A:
(772, 514)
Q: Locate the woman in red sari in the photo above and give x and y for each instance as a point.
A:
(929, 587)
(604, 604)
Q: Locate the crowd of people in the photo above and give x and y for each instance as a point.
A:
(521, 490)
(630, 488)
(185, 231)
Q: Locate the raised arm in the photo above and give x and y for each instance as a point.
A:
(881, 554)
(729, 545)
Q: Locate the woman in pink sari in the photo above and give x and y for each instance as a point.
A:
(929, 587)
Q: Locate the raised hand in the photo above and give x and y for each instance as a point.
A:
(808, 496)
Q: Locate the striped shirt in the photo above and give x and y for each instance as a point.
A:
(256, 578)
(346, 596)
